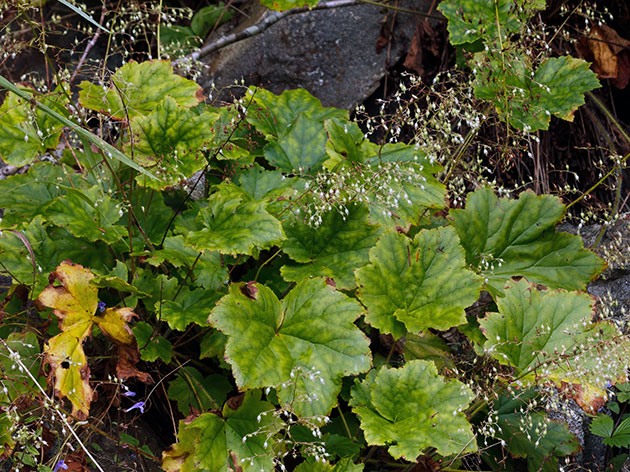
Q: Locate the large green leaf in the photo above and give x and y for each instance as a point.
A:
(527, 102)
(170, 141)
(273, 115)
(307, 342)
(27, 131)
(419, 284)
(334, 249)
(532, 435)
(470, 20)
(413, 408)
(233, 226)
(137, 89)
(89, 214)
(549, 335)
(238, 438)
(191, 389)
(301, 148)
(505, 238)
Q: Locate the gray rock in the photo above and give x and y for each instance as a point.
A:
(331, 53)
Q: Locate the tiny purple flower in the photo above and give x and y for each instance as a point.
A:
(139, 405)
(128, 393)
(60, 465)
(101, 307)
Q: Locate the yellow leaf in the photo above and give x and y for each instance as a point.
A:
(74, 301)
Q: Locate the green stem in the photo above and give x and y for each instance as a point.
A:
(345, 423)
(599, 182)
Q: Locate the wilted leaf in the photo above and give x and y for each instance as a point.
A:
(413, 408)
(137, 89)
(170, 141)
(309, 338)
(505, 238)
(238, 438)
(75, 302)
(549, 335)
(415, 285)
(26, 131)
(234, 226)
(338, 246)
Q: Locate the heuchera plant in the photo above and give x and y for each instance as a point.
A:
(310, 244)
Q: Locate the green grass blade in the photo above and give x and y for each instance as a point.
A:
(83, 14)
(107, 148)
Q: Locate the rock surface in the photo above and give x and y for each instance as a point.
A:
(331, 53)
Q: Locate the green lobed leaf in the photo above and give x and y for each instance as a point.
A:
(338, 246)
(308, 341)
(273, 114)
(527, 102)
(191, 389)
(505, 238)
(549, 335)
(88, 214)
(27, 131)
(413, 408)
(24, 196)
(152, 347)
(212, 443)
(234, 226)
(262, 184)
(470, 20)
(301, 148)
(190, 306)
(419, 284)
(170, 140)
(206, 266)
(137, 89)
